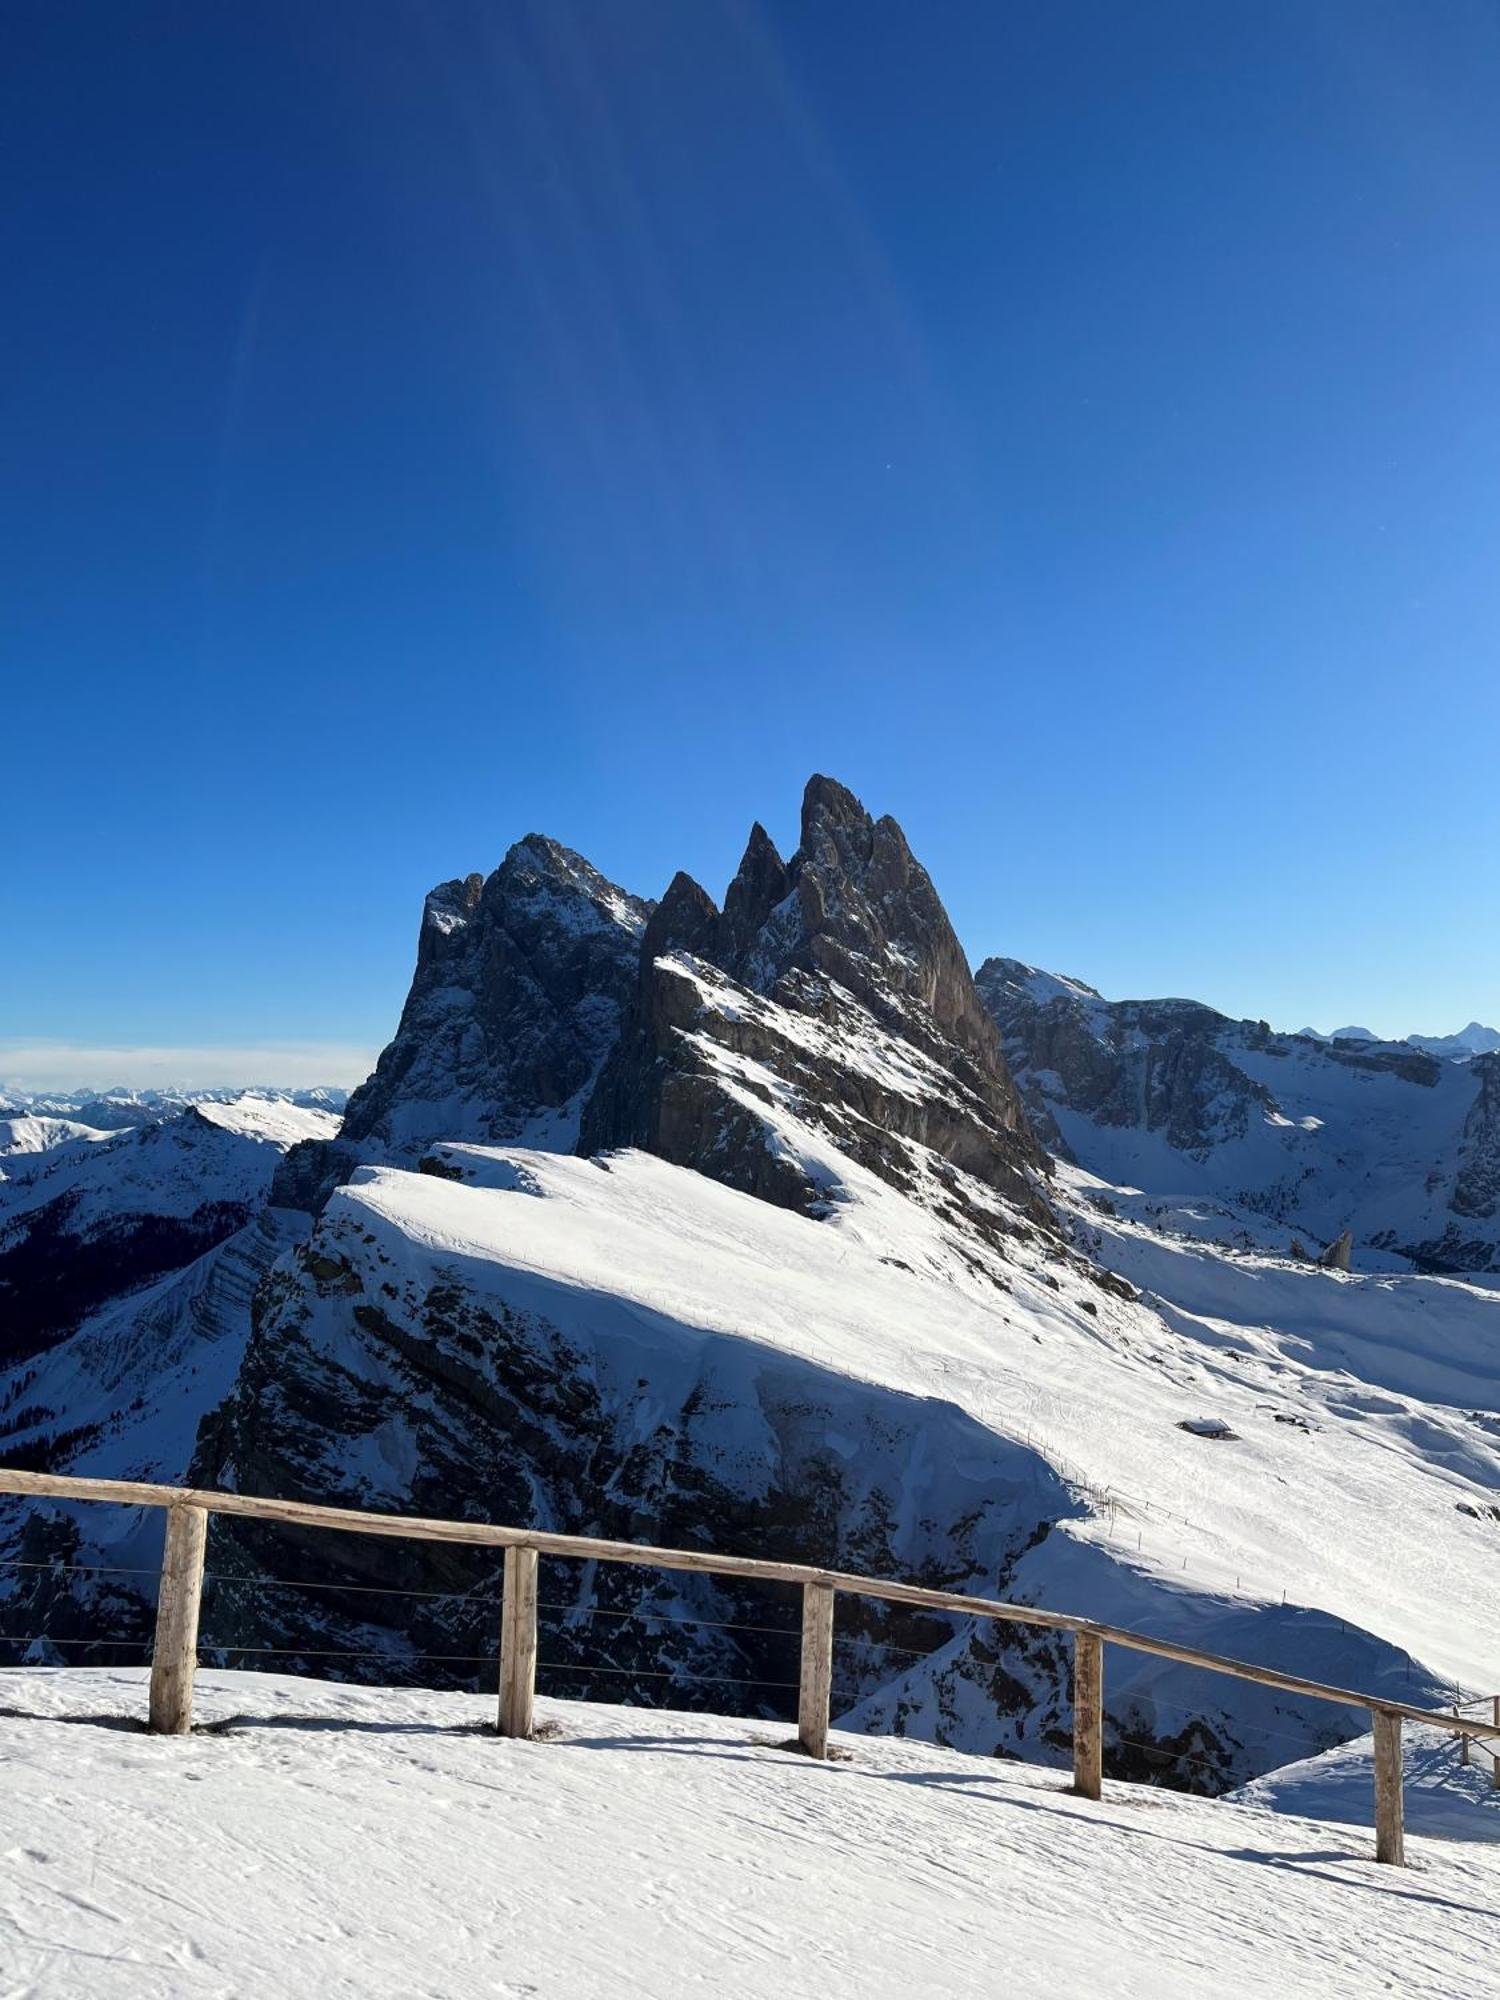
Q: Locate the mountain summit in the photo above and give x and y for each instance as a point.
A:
(833, 980)
(516, 999)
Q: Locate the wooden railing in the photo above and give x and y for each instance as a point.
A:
(174, 1657)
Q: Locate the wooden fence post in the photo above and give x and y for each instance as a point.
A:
(1463, 1744)
(1495, 1750)
(1088, 1714)
(1390, 1839)
(174, 1657)
(518, 1643)
(815, 1683)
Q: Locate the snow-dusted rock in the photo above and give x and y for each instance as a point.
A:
(515, 1002)
(833, 982)
(1284, 1135)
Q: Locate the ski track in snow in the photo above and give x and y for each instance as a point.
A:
(340, 1842)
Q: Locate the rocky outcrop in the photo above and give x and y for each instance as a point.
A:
(1476, 1192)
(1308, 1133)
(1339, 1256)
(831, 991)
(520, 983)
(1151, 1064)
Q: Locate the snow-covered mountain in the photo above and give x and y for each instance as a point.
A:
(1233, 1130)
(1474, 1040)
(520, 985)
(87, 1217)
(731, 1225)
(113, 1110)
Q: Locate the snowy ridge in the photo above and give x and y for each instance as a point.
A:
(35, 1133)
(690, 1324)
(87, 1221)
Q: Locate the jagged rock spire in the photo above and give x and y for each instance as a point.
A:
(686, 919)
(851, 933)
(761, 883)
(520, 982)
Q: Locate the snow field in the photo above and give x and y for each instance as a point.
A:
(335, 1842)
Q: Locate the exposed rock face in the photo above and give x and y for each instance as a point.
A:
(1307, 1131)
(1339, 1256)
(1476, 1192)
(832, 983)
(1148, 1063)
(516, 1000)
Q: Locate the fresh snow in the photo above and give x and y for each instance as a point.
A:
(26, 1135)
(1265, 1543)
(1445, 1798)
(211, 1152)
(317, 1842)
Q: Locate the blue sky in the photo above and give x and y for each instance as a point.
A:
(1075, 427)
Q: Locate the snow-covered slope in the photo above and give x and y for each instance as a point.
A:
(33, 1133)
(1474, 1040)
(1289, 1137)
(83, 1222)
(624, 1347)
(334, 1843)
(1445, 1797)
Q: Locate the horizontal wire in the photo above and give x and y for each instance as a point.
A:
(1177, 1756)
(350, 1653)
(64, 1569)
(370, 1589)
(648, 1674)
(672, 1618)
(46, 1639)
(886, 1646)
(412, 1659)
(478, 1596)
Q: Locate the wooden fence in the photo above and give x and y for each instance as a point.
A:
(174, 1658)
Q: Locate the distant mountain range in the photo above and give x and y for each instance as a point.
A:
(1474, 1040)
(113, 1109)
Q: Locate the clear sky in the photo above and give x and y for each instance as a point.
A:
(1077, 427)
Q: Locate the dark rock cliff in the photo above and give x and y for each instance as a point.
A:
(831, 988)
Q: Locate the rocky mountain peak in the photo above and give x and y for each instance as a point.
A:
(851, 934)
(520, 982)
(686, 920)
(761, 883)
(862, 911)
(448, 908)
